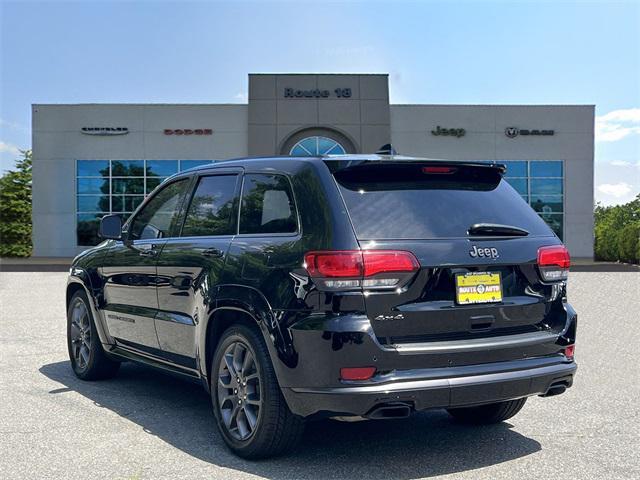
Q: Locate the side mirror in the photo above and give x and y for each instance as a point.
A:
(111, 227)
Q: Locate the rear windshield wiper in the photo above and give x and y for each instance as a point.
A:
(497, 230)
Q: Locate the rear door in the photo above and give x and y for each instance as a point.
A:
(130, 271)
(468, 285)
(191, 264)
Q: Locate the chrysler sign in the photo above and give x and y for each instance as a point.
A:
(104, 130)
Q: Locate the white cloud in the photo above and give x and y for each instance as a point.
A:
(618, 124)
(625, 164)
(617, 190)
(242, 96)
(8, 148)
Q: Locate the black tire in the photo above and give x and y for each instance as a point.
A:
(487, 414)
(88, 360)
(270, 428)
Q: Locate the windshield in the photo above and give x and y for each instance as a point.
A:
(406, 202)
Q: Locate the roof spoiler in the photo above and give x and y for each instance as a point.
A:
(337, 165)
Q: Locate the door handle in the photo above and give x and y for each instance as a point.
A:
(213, 253)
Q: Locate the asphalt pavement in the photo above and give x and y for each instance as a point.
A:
(147, 425)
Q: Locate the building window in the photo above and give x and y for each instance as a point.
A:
(117, 186)
(313, 146)
(541, 184)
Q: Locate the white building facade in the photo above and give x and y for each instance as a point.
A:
(94, 159)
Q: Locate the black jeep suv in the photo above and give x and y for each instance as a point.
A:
(349, 286)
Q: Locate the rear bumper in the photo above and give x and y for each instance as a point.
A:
(428, 375)
(437, 388)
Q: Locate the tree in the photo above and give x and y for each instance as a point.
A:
(617, 232)
(15, 209)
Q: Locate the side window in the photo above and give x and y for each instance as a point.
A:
(267, 205)
(213, 209)
(158, 217)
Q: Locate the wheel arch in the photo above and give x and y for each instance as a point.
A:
(72, 289)
(240, 304)
(220, 320)
(77, 283)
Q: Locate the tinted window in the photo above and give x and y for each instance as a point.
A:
(515, 168)
(519, 184)
(127, 186)
(267, 205)
(186, 164)
(127, 168)
(153, 183)
(93, 168)
(161, 168)
(87, 228)
(213, 208)
(92, 203)
(402, 202)
(547, 203)
(546, 169)
(158, 217)
(546, 186)
(92, 185)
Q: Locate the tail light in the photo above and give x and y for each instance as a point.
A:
(569, 351)
(360, 268)
(554, 263)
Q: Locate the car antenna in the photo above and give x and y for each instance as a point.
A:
(387, 149)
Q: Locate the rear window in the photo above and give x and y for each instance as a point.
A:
(267, 205)
(404, 202)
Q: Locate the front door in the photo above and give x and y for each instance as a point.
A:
(130, 271)
(190, 266)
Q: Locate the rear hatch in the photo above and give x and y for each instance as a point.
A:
(475, 239)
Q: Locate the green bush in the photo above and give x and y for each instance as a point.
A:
(617, 232)
(628, 243)
(15, 209)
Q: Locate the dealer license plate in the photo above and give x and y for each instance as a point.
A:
(478, 287)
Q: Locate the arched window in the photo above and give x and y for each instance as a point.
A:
(316, 145)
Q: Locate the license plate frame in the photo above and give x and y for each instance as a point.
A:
(478, 288)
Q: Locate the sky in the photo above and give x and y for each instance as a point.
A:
(470, 52)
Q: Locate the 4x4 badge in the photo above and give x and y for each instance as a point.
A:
(389, 317)
(489, 252)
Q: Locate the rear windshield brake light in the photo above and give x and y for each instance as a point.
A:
(443, 170)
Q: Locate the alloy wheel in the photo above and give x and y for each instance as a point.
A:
(80, 334)
(239, 396)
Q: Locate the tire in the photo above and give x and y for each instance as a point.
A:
(488, 414)
(252, 415)
(88, 360)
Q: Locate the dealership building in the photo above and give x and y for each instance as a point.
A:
(94, 159)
